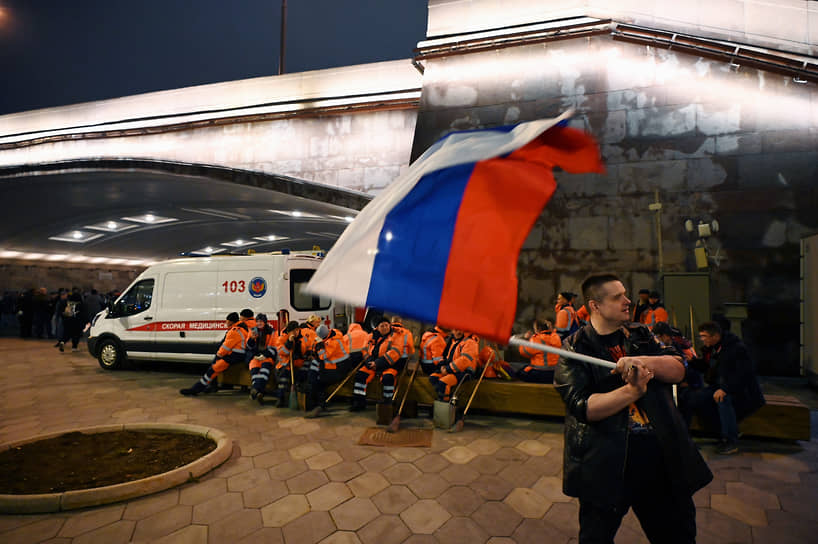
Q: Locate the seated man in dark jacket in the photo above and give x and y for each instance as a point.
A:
(626, 445)
(732, 391)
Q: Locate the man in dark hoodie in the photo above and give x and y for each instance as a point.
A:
(732, 391)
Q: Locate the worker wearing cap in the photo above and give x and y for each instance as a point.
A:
(331, 364)
(263, 359)
(641, 305)
(462, 360)
(231, 351)
(248, 320)
(566, 315)
(385, 353)
(655, 312)
(293, 349)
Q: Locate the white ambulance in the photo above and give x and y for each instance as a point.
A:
(175, 310)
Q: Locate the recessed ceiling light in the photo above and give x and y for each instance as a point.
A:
(56, 257)
(150, 219)
(76, 236)
(111, 226)
(238, 243)
(296, 213)
(270, 238)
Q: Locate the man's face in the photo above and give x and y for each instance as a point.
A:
(561, 300)
(614, 305)
(653, 300)
(708, 339)
(457, 333)
(664, 338)
(384, 328)
(643, 298)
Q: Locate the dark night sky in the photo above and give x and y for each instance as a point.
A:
(58, 52)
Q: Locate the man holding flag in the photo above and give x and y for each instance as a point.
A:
(626, 444)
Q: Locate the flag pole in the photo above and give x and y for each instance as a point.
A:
(562, 352)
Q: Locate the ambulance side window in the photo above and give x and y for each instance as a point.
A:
(136, 300)
(300, 300)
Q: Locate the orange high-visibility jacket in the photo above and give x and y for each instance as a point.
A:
(651, 316)
(267, 344)
(403, 337)
(235, 342)
(285, 354)
(566, 314)
(333, 349)
(465, 355)
(390, 347)
(358, 338)
(582, 313)
(432, 345)
(549, 338)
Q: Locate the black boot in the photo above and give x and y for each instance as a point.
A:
(358, 403)
(194, 390)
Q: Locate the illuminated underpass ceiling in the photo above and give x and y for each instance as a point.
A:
(121, 209)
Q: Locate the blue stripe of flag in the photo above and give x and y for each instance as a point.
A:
(415, 243)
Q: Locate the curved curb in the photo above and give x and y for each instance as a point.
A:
(82, 498)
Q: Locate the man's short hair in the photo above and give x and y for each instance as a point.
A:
(592, 286)
(232, 317)
(246, 313)
(710, 327)
(661, 328)
(654, 294)
(291, 326)
(644, 291)
(397, 319)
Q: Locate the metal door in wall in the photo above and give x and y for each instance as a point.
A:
(683, 293)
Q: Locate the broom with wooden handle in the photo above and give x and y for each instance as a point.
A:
(393, 427)
(459, 425)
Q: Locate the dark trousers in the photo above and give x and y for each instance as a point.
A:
(72, 329)
(536, 374)
(665, 518)
(719, 415)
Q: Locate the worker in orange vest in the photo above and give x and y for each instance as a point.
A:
(358, 342)
(263, 359)
(231, 351)
(386, 355)
(461, 360)
(655, 312)
(432, 346)
(492, 355)
(294, 348)
(330, 365)
(538, 371)
(566, 315)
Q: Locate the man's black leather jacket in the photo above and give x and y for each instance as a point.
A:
(595, 452)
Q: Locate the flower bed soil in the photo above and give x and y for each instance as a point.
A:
(82, 461)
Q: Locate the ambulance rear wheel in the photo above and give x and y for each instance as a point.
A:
(111, 356)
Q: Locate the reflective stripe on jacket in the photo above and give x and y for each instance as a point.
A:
(235, 341)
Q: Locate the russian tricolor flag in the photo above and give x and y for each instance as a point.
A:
(441, 243)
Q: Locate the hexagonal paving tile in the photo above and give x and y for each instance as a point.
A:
(306, 428)
(265, 493)
(407, 455)
(459, 455)
(394, 499)
(460, 501)
(342, 537)
(284, 510)
(497, 518)
(307, 481)
(491, 487)
(309, 528)
(328, 496)
(287, 470)
(527, 503)
(484, 446)
(533, 447)
(461, 530)
(247, 480)
(271, 459)
(384, 530)
(291, 422)
(377, 462)
(428, 486)
(425, 516)
(433, 462)
(354, 514)
(460, 474)
(324, 460)
(344, 471)
(367, 484)
(402, 473)
(305, 451)
(550, 487)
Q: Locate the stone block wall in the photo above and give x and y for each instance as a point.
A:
(16, 275)
(717, 142)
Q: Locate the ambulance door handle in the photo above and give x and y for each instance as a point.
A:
(147, 318)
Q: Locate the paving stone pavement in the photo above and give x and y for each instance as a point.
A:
(292, 480)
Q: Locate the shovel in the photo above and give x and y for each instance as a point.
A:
(293, 400)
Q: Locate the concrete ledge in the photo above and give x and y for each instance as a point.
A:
(83, 498)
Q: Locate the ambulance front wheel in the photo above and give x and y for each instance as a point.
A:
(111, 356)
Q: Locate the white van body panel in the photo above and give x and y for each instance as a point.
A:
(175, 310)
